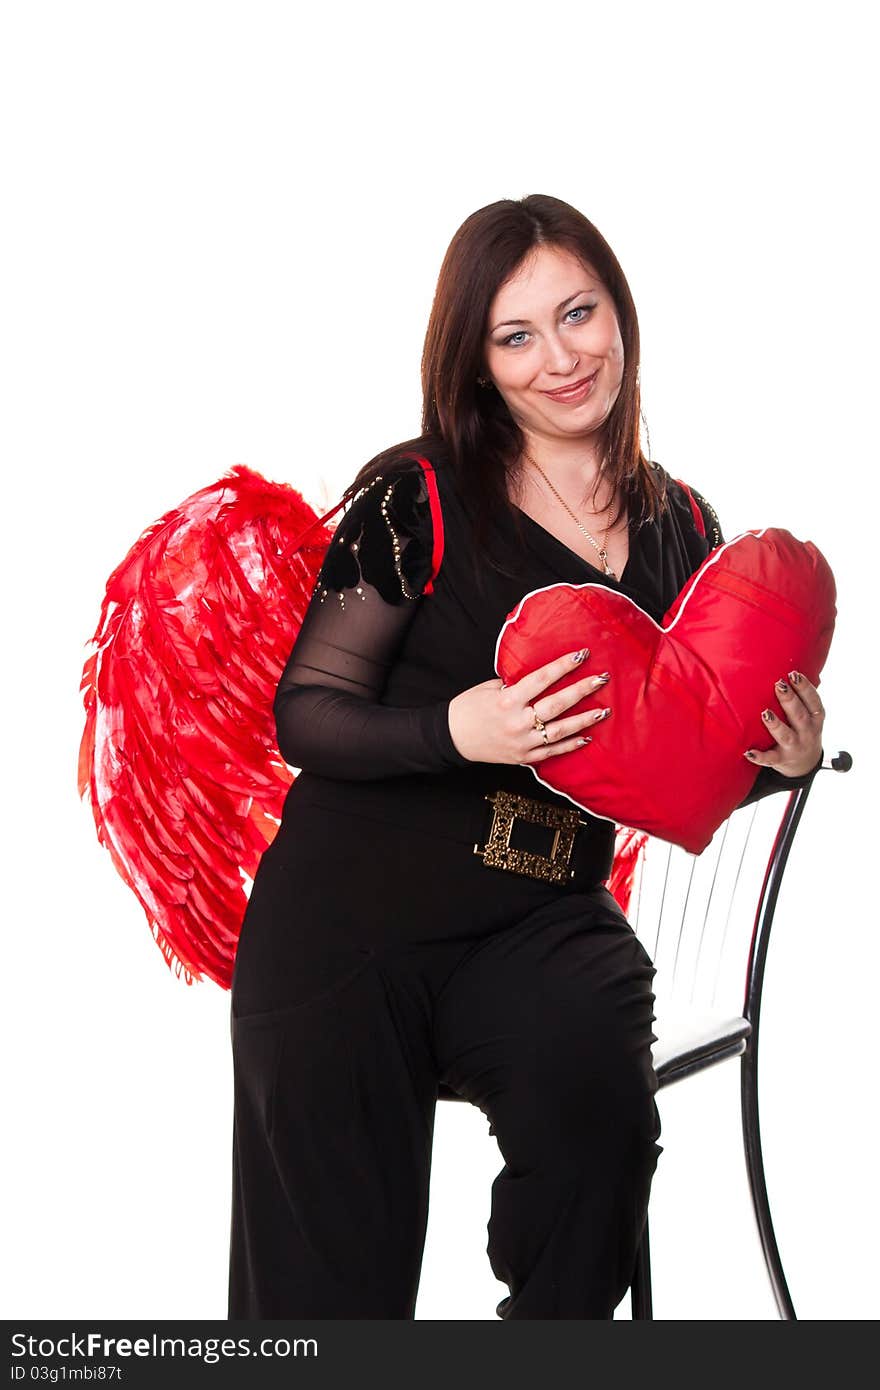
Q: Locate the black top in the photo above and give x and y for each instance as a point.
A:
(362, 704)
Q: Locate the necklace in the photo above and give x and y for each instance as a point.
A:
(603, 554)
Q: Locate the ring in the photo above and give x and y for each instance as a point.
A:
(539, 723)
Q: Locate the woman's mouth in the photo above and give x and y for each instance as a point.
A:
(577, 391)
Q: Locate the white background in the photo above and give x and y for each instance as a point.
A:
(223, 227)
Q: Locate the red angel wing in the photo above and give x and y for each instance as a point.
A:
(628, 845)
(178, 754)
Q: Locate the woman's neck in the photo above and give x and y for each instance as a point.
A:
(572, 466)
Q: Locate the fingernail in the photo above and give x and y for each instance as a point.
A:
(783, 687)
(605, 676)
(585, 740)
(794, 677)
(748, 753)
(579, 656)
(768, 715)
(604, 715)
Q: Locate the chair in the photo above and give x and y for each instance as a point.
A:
(705, 921)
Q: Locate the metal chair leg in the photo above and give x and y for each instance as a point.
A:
(757, 1182)
(640, 1290)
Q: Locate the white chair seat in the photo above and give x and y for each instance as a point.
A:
(689, 1044)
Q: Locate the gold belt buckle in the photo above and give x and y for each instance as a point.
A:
(498, 853)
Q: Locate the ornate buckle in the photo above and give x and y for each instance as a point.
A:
(498, 853)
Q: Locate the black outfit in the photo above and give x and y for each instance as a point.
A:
(379, 956)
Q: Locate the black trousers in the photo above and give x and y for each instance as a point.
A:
(355, 993)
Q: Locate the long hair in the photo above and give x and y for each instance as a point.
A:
(479, 435)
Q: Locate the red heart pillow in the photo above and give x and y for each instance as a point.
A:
(686, 694)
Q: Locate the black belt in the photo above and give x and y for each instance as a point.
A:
(513, 833)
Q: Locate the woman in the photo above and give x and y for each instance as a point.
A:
(381, 955)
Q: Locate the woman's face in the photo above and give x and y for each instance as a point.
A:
(550, 325)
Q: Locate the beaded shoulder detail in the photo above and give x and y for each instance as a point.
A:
(384, 541)
(715, 537)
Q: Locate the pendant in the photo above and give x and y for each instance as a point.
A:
(603, 556)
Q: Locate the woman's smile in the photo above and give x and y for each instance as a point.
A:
(576, 392)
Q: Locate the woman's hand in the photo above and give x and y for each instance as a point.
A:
(800, 740)
(495, 723)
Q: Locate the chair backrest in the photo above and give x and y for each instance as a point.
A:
(705, 919)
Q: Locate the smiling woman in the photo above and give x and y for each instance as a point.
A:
(388, 948)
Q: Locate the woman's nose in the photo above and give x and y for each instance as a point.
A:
(560, 359)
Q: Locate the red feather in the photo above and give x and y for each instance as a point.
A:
(178, 755)
(628, 846)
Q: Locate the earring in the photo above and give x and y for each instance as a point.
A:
(481, 381)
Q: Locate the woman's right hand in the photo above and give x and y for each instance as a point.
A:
(496, 723)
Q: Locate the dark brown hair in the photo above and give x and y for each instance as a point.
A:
(479, 435)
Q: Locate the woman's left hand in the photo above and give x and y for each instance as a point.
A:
(799, 735)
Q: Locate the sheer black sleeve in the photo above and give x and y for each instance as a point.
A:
(768, 779)
(328, 715)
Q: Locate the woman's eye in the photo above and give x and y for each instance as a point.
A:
(582, 309)
(510, 337)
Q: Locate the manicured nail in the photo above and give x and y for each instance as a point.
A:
(605, 713)
(605, 676)
(583, 741)
(768, 715)
(783, 687)
(749, 753)
(579, 656)
(794, 677)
